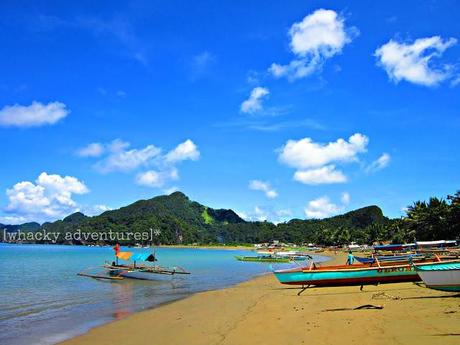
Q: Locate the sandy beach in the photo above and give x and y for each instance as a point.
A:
(262, 311)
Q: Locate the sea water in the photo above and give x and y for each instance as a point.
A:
(43, 301)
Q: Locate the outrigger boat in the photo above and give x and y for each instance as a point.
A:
(443, 276)
(117, 271)
(356, 274)
(264, 258)
(294, 256)
(387, 258)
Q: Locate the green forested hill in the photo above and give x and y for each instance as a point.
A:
(32, 226)
(181, 220)
(177, 218)
(351, 226)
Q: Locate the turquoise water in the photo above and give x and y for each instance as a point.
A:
(43, 301)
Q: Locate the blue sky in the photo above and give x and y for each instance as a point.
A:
(277, 110)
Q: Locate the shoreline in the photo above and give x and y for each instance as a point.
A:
(77, 337)
(151, 247)
(204, 247)
(262, 311)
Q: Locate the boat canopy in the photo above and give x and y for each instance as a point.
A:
(136, 256)
(418, 244)
(440, 243)
(393, 247)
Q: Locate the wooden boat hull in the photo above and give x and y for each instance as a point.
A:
(353, 275)
(261, 259)
(155, 273)
(443, 276)
(145, 276)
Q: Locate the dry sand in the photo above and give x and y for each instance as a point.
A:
(262, 311)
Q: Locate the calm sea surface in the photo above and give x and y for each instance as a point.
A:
(43, 301)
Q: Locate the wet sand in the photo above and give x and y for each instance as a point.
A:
(262, 311)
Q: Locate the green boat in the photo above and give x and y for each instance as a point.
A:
(357, 274)
(263, 258)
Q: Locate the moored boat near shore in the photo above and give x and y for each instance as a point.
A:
(443, 276)
(357, 274)
(118, 271)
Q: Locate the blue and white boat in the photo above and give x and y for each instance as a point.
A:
(443, 276)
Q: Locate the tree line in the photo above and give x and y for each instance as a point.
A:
(182, 221)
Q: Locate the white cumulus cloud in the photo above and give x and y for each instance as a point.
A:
(264, 187)
(314, 161)
(254, 103)
(47, 198)
(323, 207)
(324, 175)
(318, 37)
(34, 115)
(184, 151)
(152, 178)
(306, 153)
(379, 164)
(413, 62)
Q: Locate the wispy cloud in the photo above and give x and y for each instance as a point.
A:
(414, 62)
(265, 187)
(91, 150)
(105, 92)
(278, 126)
(379, 164)
(254, 103)
(118, 156)
(270, 125)
(263, 213)
(201, 64)
(118, 30)
(34, 115)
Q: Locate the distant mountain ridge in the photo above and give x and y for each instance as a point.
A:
(32, 226)
(181, 220)
(178, 219)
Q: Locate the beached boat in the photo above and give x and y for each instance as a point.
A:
(387, 258)
(357, 274)
(294, 255)
(394, 247)
(263, 258)
(436, 244)
(444, 276)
